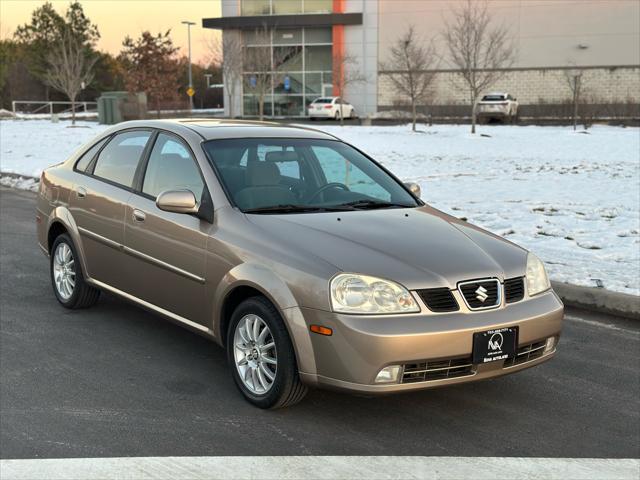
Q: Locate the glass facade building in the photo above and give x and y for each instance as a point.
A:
(289, 47)
(301, 69)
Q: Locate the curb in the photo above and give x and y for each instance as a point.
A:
(588, 298)
(599, 300)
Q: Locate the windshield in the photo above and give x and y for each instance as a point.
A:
(323, 100)
(302, 175)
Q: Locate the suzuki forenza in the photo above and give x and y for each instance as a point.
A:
(307, 260)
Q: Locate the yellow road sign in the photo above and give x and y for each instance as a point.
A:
(191, 92)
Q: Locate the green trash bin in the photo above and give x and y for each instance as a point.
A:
(110, 107)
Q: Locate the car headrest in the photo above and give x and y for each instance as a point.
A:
(263, 173)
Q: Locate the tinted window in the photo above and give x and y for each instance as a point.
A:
(85, 160)
(118, 160)
(492, 98)
(171, 167)
(323, 100)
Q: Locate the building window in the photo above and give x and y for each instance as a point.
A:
(255, 7)
(300, 72)
(318, 57)
(282, 7)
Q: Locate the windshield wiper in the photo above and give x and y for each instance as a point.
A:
(372, 204)
(291, 208)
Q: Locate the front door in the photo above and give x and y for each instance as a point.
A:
(167, 250)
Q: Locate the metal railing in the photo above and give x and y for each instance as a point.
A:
(48, 107)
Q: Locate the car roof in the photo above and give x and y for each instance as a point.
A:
(216, 129)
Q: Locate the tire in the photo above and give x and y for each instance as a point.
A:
(285, 388)
(352, 113)
(67, 279)
(336, 117)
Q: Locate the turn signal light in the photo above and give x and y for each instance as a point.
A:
(321, 330)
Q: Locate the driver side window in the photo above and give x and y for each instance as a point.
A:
(338, 169)
(171, 167)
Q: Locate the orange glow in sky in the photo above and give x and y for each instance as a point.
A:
(118, 18)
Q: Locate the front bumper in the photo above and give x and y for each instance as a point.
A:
(362, 345)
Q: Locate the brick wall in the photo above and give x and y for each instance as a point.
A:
(602, 85)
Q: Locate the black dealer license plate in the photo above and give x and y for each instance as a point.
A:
(494, 345)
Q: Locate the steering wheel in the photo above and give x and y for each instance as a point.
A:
(328, 186)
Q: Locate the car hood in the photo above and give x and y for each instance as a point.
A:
(419, 247)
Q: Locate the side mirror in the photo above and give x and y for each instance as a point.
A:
(414, 188)
(177, 201)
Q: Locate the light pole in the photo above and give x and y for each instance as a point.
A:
(190, 91)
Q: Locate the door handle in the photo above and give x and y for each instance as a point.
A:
(81, 192)
(138, 215)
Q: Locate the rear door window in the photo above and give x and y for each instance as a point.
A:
(119, 159)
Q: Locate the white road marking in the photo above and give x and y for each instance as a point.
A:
(320, 468)
(594, 323)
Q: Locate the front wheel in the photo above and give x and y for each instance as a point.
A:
(261, 356)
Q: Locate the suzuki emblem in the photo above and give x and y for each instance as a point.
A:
(481, 294)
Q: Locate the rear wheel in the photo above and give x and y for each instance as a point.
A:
(69, 285)
(261, 355)
(336, 117)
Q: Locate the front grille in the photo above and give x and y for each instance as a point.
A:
(513, 289)
(481, 294)
(437, 370)
(526, 353)
(439, 299)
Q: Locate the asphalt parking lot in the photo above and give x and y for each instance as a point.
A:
(116, 380)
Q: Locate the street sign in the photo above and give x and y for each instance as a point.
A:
(191, 92)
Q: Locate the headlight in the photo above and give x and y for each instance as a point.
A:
(352, 293)
(537, 280)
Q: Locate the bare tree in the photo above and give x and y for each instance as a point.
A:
(411, 68)
(479, 51)
(345, 73)
(70, 68)
(228, 53)
(264, 66)
(574, 80)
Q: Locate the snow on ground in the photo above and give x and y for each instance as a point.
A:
(572, 198)
(29, 146)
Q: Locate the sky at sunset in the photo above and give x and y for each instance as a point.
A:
(117, 18)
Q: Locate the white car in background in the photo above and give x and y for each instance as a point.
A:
(498, 106)
(329, 107)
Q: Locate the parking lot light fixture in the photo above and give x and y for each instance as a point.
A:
(189, 24)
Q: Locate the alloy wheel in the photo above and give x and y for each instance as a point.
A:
(255, 355)
(64, 271)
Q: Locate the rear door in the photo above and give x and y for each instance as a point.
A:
(99, 199)
(167, 250)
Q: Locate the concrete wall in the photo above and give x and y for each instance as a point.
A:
(547, 33)
(530, 86)
(361, 42)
